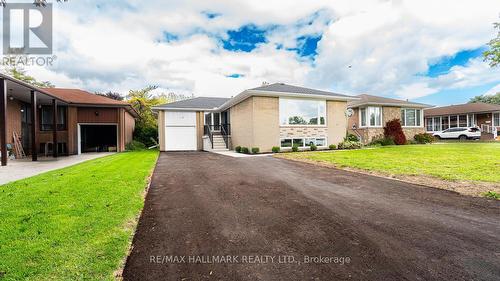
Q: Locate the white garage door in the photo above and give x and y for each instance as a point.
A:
(180, 130)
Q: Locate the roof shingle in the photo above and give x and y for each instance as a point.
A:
(76, 96)
(365, 99)
(285, 88)
(195, 103)
(477, 107)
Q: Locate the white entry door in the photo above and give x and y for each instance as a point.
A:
(180, 130)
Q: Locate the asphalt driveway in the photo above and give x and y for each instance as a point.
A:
(212, 217)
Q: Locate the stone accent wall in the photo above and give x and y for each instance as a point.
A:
(411, 132)
(373, 133)
(291, 132)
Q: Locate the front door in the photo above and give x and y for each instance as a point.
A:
(216, 121)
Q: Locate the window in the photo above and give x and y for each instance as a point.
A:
(453, 121)
(462, 121)
(471, 121)
(428, 124)
(434, 124)
(299, 142)
(46, 120)
(411, 117)
(437, 124)
(286, 143)
(363, 117)
(451, 130)
(302, 112)
(496, 119)
(445, 122)
(371, 116)
(303, 142)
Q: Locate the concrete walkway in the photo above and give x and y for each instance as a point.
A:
(25, 168)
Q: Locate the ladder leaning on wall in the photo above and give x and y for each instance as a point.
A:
(18, 147)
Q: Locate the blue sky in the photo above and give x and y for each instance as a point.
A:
(461, 58)
(416, 50)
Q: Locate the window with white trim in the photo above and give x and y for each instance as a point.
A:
(428, 124)
(411, 117)
(445, 122)
(437, 124)
(496, 119)
(303, 142)
(471, 120)
(370, 116)
(302, 112)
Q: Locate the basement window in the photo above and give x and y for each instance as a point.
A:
(303, 142)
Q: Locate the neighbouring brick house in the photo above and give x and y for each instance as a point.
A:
(482, 115)
(55, 121)
(371, 113)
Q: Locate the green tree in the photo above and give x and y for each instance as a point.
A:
(492, 56)
(495, 99)
(142, 101)
(111, 95)
(297, 120)
(20, 74)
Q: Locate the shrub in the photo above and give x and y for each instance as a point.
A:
(295, 148)
(332, 147)
(275, 149)
(382, 141)
(238, 149)
(313, 147)
(135, 145)
(146, 134)
(245, 150)
(412, 142)
(394, 130)
(351, 137)
(255, 150)
(424, 138)
(349, 145)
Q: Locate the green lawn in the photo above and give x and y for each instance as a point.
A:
(75, 223)
(451, 161)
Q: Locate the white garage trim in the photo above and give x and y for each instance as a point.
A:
(79, 136)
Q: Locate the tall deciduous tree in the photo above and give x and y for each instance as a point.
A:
(111, 95)
(495, 99)
(492, 56)
(142, 101)
(20, 74)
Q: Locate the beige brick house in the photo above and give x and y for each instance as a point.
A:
(272, 115)
(371, 113)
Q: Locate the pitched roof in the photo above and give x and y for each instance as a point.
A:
(206, 103)
(285, 88)
(365, 99)
(76, 96)
(477, 107)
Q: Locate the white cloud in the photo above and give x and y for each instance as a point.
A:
(493, 91)
(415, 90)
(117, 46)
